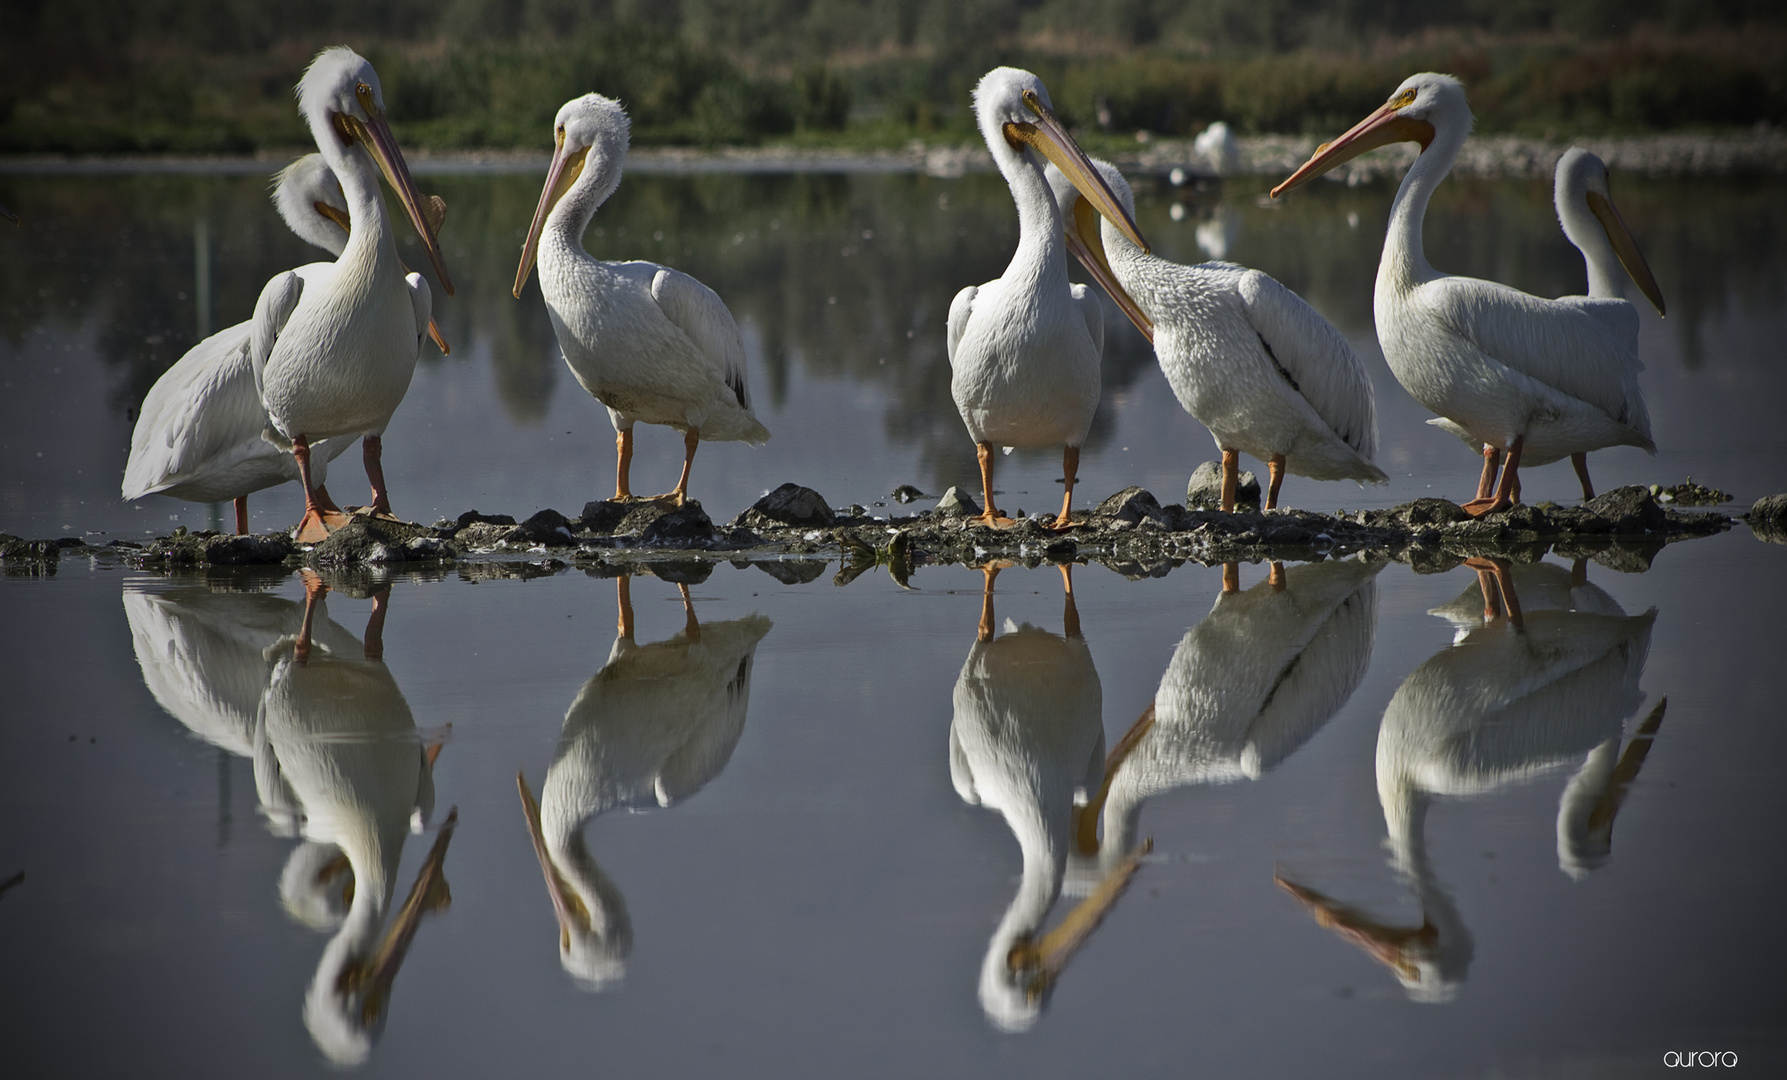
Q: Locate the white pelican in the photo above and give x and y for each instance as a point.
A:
(198, 433)
(1024, 349)
(1534, 377)
(648, 730)
(1217, 148)
(343, 738)
(1244, 355)
(1247, 686)
(650, 343)
(1502, 705)
(1593, 224)
(1028, 736)
(333, 353)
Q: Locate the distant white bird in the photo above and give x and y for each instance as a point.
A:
(333, 352)
(1537, 378)
(1024, 350)
(1593, 224)
(1026, 737)
(648, 730)
(1503, 704)
(650, 343)
(1216, 147)
(1246, 688)
(1244, 355)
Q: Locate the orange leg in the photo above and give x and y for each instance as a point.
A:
(1070, 615)
(1580, 463)
(1275, 577)
(241, 515)
(319, 520)
(1070, 467)
(375, 625)
(985, 631)
(1231, 577)
(623, 595)
(1492, 461)
(1504, 491)
(372, 449)
(314, 589)
(1231, 479)
(1275, 473)
(1496, 578)
(691, 628)
(680, 494)
(623, 464)
(990, 515)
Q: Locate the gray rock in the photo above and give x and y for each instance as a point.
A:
(793, 571)
(356, 542)
(1768, 519)
(13, 547)
(1205, 488)
(472, 516)
(687, 526)
(1134, 505)
(789, 505)
(602, 517)
(1631, 509)
(548, 527)
(906, 493)
(956, 503)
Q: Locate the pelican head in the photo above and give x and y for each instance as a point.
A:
(591, 125)
(1582, 183)
(310, 201)
(595, 933)
(1080, 227)
(339, 96)
(1421, 108)
(1012, 107)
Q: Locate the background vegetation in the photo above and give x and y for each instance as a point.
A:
(97, 76)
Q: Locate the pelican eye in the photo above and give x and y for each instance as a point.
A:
(364, 94)
(1032, 102)
(1407, 97)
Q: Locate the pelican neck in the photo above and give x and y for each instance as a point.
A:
(1606, 278)
(570, 219)
(370, 239)
(1405, 258)
(1041, 255)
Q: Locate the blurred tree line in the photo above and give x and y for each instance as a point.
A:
(216, 75)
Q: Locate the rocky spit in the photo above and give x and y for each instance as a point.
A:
(794, 534)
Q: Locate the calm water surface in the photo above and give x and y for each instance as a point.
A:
(800, 831)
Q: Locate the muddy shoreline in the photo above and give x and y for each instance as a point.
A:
(794, 535)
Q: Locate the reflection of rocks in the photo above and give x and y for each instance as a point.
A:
(648, 730)
(1524, 689)
(1768, 519)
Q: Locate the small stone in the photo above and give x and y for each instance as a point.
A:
(687, 526)
(790, 504)
(906, 493)
(1205, 488)
(1132, 504)
(604, 516)
(1768, 519)
(548, 527)
(471, 516)
(956, 503)
(359, 541)
(793, 571)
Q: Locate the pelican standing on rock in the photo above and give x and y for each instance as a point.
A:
(1244, 355)
(649, 342)
(198, 433)
(1593, 224)
(333, 353)
(1024, 349)
(1539, 379)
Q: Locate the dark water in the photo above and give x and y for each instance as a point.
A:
(805, 843)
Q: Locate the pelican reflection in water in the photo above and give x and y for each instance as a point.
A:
(1246, 688)
(648, 730)
(341, 737)
(1505, 703)
(1027, 740)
